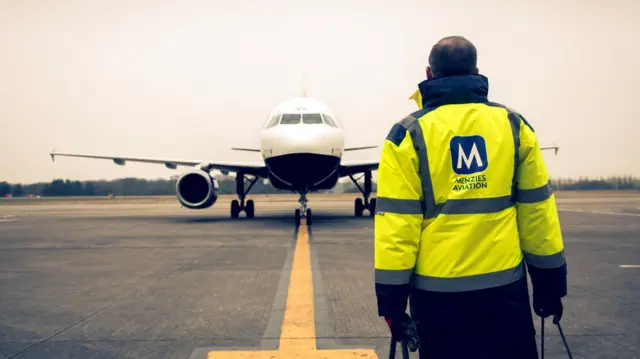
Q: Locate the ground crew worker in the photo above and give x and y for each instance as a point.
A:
(463, 203)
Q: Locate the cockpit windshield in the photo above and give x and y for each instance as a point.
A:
(312, 118)
(273, 121)
(329, 120)
(297, 118)
(290, 119)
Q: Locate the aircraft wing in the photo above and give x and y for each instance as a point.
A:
(353, 167)
(554, 147)
(359, 148)
(255, 169)
(246, 149)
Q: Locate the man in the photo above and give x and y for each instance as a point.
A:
(464, 203)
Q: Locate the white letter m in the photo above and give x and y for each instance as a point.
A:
(468, 160)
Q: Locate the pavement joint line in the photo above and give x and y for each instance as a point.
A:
(298, 330)
(629, 266)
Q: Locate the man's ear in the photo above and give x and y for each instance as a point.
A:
(429, 73)
(477, 71)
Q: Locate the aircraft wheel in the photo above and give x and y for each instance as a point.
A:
(250, 209)
(235, 208)
(308, 216)
(359, 207)
(372, 207)
(297, 217)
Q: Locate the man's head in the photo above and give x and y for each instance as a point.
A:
(451, 56)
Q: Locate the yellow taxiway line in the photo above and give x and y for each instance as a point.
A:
(298, 333)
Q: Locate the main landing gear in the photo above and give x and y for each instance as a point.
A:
(364, 203)
(240, 205)
(303, 211)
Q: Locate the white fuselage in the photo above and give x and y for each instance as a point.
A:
(302, 145)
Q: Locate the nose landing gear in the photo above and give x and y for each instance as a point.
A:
(303, 211)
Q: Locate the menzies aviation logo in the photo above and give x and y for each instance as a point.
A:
(469, 156)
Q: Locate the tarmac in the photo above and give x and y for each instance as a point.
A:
(145, 279)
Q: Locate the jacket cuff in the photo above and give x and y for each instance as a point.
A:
(549, 282)
(392, 299)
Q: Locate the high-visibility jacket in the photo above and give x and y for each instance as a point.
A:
(463, 199)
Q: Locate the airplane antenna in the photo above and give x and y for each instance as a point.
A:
(305, 81)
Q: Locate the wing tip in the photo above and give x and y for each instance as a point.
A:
(553, 147)
(245, 149)
(347, 149)
(53, 155)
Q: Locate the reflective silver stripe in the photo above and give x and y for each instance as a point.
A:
(399, 206)
(417, 137)
(474, 282)
(535, 195)
(514, 122)
(550, 261)
(390, 276)
(474, 205)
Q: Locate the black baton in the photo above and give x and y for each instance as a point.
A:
(542, 337)
(392, 349)
(405, 350)
(564, 339)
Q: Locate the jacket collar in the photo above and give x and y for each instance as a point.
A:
(454, 90)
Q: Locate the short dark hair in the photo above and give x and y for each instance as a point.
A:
(453, 55)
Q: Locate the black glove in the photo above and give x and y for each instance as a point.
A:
(398, 324)
(545, 306)
(403, 328)
(549, 286)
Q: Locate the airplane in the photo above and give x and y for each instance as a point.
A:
(301, 143)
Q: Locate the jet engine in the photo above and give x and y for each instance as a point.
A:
(197, 189)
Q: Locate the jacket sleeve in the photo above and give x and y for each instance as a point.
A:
(538, 221)
(398, 221)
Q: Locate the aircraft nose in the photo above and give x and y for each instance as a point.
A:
(307, 139)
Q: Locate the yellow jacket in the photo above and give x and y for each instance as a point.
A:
(463, 198)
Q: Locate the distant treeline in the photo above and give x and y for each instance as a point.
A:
(117, 187)
(132, 187)
(597, 183)
(157, 187)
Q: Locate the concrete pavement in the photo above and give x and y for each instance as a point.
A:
(153, 280)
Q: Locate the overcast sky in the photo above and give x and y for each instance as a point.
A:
(190, 79)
